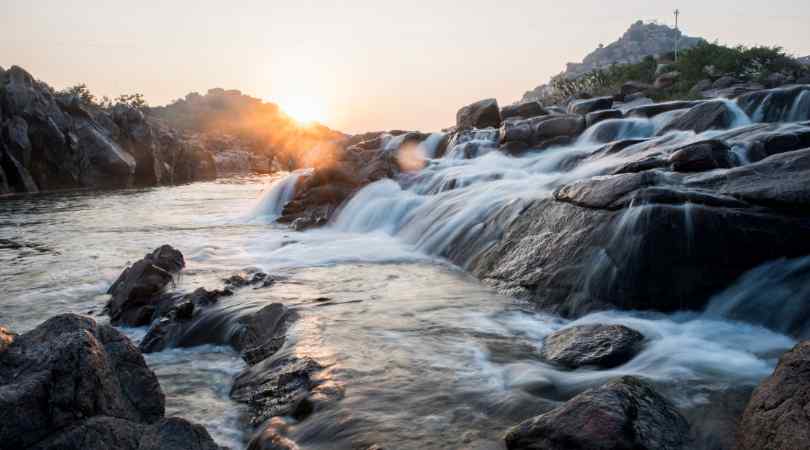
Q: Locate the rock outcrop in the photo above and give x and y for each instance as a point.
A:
(135, 295)
(72, 384)
(602, 346)
(625, 413)
(54, 141)
(481, 114)
(776, 416)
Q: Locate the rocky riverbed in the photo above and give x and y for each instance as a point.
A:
(601, 274)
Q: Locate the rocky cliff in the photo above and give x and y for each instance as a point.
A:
(52, 141)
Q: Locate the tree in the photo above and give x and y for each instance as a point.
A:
(81, 91)
(133, 100)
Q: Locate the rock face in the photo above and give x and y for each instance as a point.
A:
(52, 141)
(135, 293)
(481, 114)
(623, 414)
(523, 110)
(603, 346)
(84, 386)
(776, 416)
(705, 116)
(584, 107)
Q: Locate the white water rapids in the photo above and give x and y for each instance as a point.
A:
(429, 358)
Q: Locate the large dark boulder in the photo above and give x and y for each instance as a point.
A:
(105, 433)
(583, 107)
(523, 110)
(481, 114)
(702, 156)
(136, 292)
(624, 414)
(776, 416)
(714, 115)
(660, 108)
(71, 384)
(556, 126)
(603, 346)
(619, 241)
(595, 117)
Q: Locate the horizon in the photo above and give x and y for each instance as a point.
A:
(387, 67)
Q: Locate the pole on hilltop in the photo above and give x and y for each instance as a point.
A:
(678, 35)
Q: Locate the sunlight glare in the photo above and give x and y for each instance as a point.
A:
(304, 110)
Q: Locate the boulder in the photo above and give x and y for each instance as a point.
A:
(724, 82)
(776, 416)
(666, 80)
(623, 414)
(703, 117)
(614, 241)
(655, 109)
(83, 386)
(583, 107)
(6, 339)
(136, 292)
(481, 114)
(523, 110)
(105, 433)
(570, 125)
(603, 346)
(702, 156)
(598, 116)
(635, 87)
(701, 86)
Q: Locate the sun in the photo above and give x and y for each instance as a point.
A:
(304, 110)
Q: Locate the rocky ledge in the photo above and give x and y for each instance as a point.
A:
(71, 384)
(50, 141)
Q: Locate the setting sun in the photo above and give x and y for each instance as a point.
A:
(303, 109)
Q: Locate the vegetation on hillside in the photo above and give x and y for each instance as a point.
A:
(702, 62)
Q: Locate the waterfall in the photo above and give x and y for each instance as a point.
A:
(272, 201)
(774, 295)
(801, 108)
(618, 129)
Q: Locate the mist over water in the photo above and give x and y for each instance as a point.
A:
(427, 356)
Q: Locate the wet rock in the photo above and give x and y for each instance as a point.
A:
(136, 292)
(481, 114)
(635, 87)
(659, 108)
(773, 105)
(724, 82)
(603, 346)
(523, 110)
(278, 386)
(583, 107)
(104, 433)
(6, 339)
(706, 116)
(713, 422)
(598, 116)
(262, 334)
(556, 126)
(613, 241)
(701, 157)
(81, 386)
(623, 414)
(776, 416)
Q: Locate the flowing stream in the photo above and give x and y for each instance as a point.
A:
(426, 355)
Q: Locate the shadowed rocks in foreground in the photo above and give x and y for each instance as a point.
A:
(72, 384)
(777, 414)
(623, 414)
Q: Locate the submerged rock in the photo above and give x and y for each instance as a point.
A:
(136, 292)
(623, 414)
(84, 386)
(776, 416)
(603, 346)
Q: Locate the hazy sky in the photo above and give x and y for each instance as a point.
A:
(373, 64)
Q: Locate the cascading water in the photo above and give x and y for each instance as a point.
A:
(272, 202)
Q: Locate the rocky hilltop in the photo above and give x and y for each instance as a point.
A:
(639, 41)
(51, 141)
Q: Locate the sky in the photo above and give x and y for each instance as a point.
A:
(362, 64)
